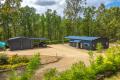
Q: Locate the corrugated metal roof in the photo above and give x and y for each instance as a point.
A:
(82, 37)
(75, 40)
(28, 38)
(16, 38)
(38, 38)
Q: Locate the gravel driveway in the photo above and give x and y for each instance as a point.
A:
(69, 56)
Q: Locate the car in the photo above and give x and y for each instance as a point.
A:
(3, 45)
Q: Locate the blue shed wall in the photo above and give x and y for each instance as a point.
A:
(89, 43)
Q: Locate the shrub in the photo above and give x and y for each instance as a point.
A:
(113, 55)
(100, 66)
(82, 72)
(24, 59)
(34, 63)
(91, 57)
(13, 76)
(3, 59)
(99, 47)
(31, 67)
(3, 67)
(105, 67)
(12, 62)
(117, 62)
(15, 59)
(99, 60)
(77, 72)
(90, 53)
(118, 41)
(50, 75)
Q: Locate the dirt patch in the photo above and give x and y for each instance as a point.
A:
(49, 59)
(62, 50)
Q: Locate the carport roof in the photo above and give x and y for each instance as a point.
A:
(81, 37)
(16, 38)
(38, 38)
(29, 38)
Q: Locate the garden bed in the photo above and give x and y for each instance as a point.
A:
(6, 70)
(44, 60)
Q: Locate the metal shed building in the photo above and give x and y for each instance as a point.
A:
(20, 43)
(89, 43)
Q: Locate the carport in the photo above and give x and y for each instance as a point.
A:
(39, 42)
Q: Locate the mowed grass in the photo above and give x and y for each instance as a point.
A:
(115, 77)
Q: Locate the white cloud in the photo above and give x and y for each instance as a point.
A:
(57, 5)
(45, 2)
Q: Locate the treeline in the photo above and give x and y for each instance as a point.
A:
(78, 20)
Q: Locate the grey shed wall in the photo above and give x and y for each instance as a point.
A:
(20, 43)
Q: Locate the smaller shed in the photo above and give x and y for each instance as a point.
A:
(89, 43)
(20, 43)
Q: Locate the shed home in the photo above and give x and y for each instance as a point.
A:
(89, 43)
(20, 43)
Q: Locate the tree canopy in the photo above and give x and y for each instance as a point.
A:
(78, 20)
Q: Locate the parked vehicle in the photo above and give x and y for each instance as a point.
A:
(3, 45)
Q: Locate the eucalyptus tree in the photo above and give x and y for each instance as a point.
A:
(48, 23)
(88, 21)
(7, 9)
(56, 23)
(113, 25)
(72, 11)
(52, 22)
(42, 21)
(100, 21)
(74, 8)
(27, 21)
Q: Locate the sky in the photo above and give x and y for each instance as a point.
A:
(42, 5)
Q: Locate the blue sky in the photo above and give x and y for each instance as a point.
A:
(42, 5)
